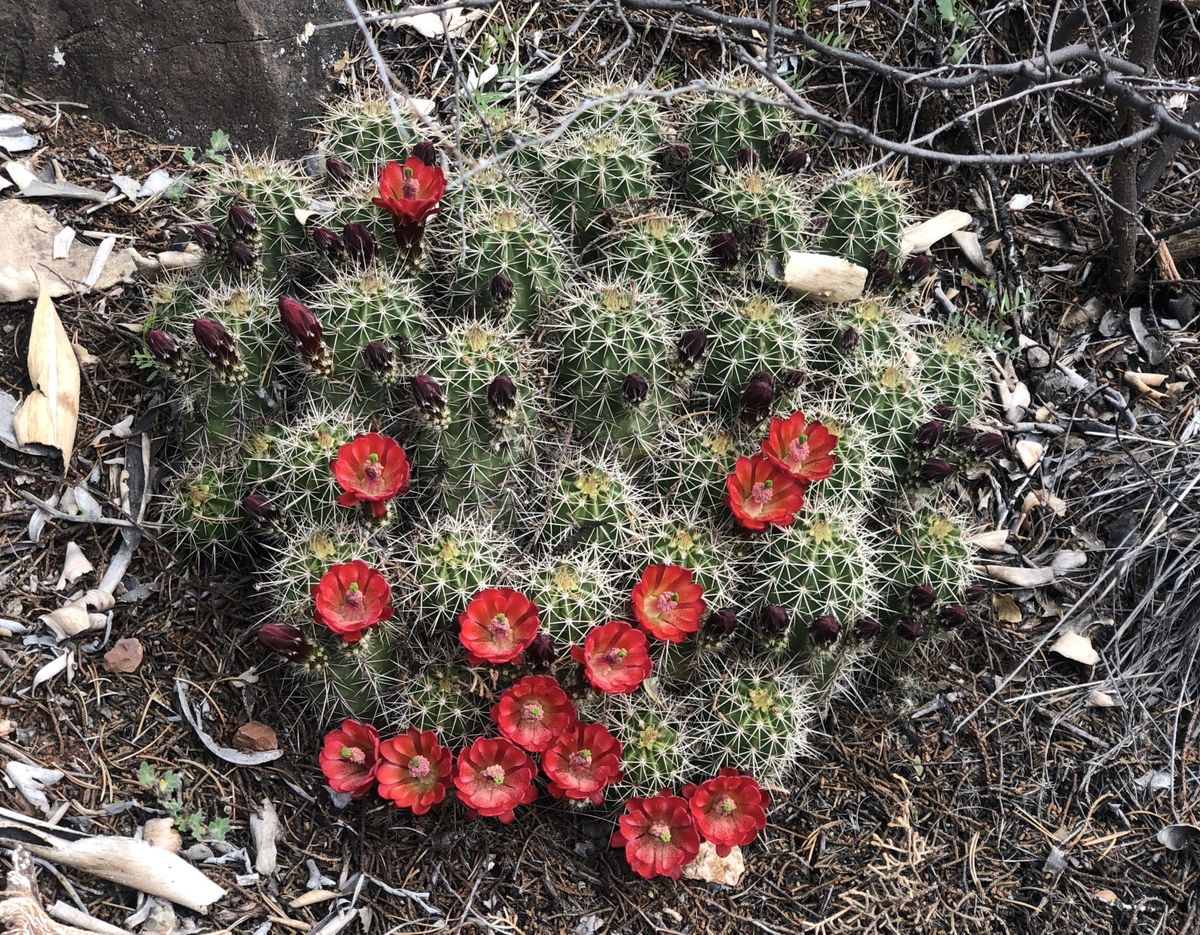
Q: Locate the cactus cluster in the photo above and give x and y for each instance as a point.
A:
(555, 387)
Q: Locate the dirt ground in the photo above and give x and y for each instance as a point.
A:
(946, 798)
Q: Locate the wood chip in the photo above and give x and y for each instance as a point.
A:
(920, 237)
(824, 278)
(50, 414)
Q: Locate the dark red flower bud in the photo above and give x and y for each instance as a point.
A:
(756, 231)
(866, 627)
(964, 436)
(818, 223)
(338, 168)
(379, 357)
(163, 347)
(540, 654)
(241, 221)
(791, 379)
(502, 288)
(219, 347)
(360, 245)
(824, 630)
(206, 235)
(426, 152)
(326, 242)
(882, 269)
(794, 161)
(428, 395)
(916, 267)
(721, 623)
(691, 346)
(929, 434)
(745, 158)
(724, 249)
(781, 142)
(922, 596)
(975, 593)
(242, 256)
(284, 639)
(934, 470)
(299, 322)
(259, 508)
(634, 389)
(952, 615)
(677, 155)
(910, 628)
(942, 412)
(501, 395)
(849, 339)
(773, 621)
(757, 398)
(989, 444)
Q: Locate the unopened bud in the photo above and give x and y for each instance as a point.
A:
(360, 245)
(243, 256)
(326, 242)
(922, 596)
(284, 639)
(724, 249)
(206, 236)
(691, 346)
(773, 621)
(757, 398)
(866, 627)
(259, 509)
(241, 221)
(501, 395)
(540, 654)
(502, 288)
(989, 444)
(952, 615)
(426, 152)
(794, 161)
(916, 267)
(745, 158)
(910, 628)
(934, 470)
(379, 357)
(825, 629)
(850, 338)
(218, 345)
(302, 325)
(634, 389)
(338, 168)
(975, 593)
(163, 348)
(721, 623)
(929, 434)
(428, 395)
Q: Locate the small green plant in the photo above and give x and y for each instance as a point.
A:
(167, 788)
(218, 144)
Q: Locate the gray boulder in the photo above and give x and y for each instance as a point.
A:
(178, 69)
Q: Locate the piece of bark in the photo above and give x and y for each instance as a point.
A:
(21, 911)
(824, 278)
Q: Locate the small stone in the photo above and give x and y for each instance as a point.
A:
(1037, 357)
(125, 656)
(255, 737)
(707, 866)
(161, 833)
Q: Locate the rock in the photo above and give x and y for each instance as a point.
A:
(707, 866)
(125, 656)
(255, 737)
(27, 249)
(179, 71)
(160, 832)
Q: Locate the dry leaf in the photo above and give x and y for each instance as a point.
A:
(50, 413)
(1019, 577)
(1099, 699)
(1006, 608)
(1030, 452)
(1076, 647)
(75, 566)
(990, 540)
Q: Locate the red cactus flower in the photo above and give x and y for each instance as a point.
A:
(729, 809)
(582, 762)
(800, 447)
(414, 771)
(658, 835)
(351, 598)
(615, 657)
(410, 193)
(534, 712)
(497, 625)
(668, 603)
(350, 756)
(371, 469)
(762, 494)
(493, 777)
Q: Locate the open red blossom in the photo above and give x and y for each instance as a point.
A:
(582, 762)
(534, 712)
(351, 598)
(497, 625)
(349, 757)
(800, 447)
(729, 809)
(615, 657)
(668, 603)
(493, 777)
(658, 835)
(372, 469)
(410, 193)
(762, 494)
(414, 770)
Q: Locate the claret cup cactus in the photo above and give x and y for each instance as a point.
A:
(549, 487)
